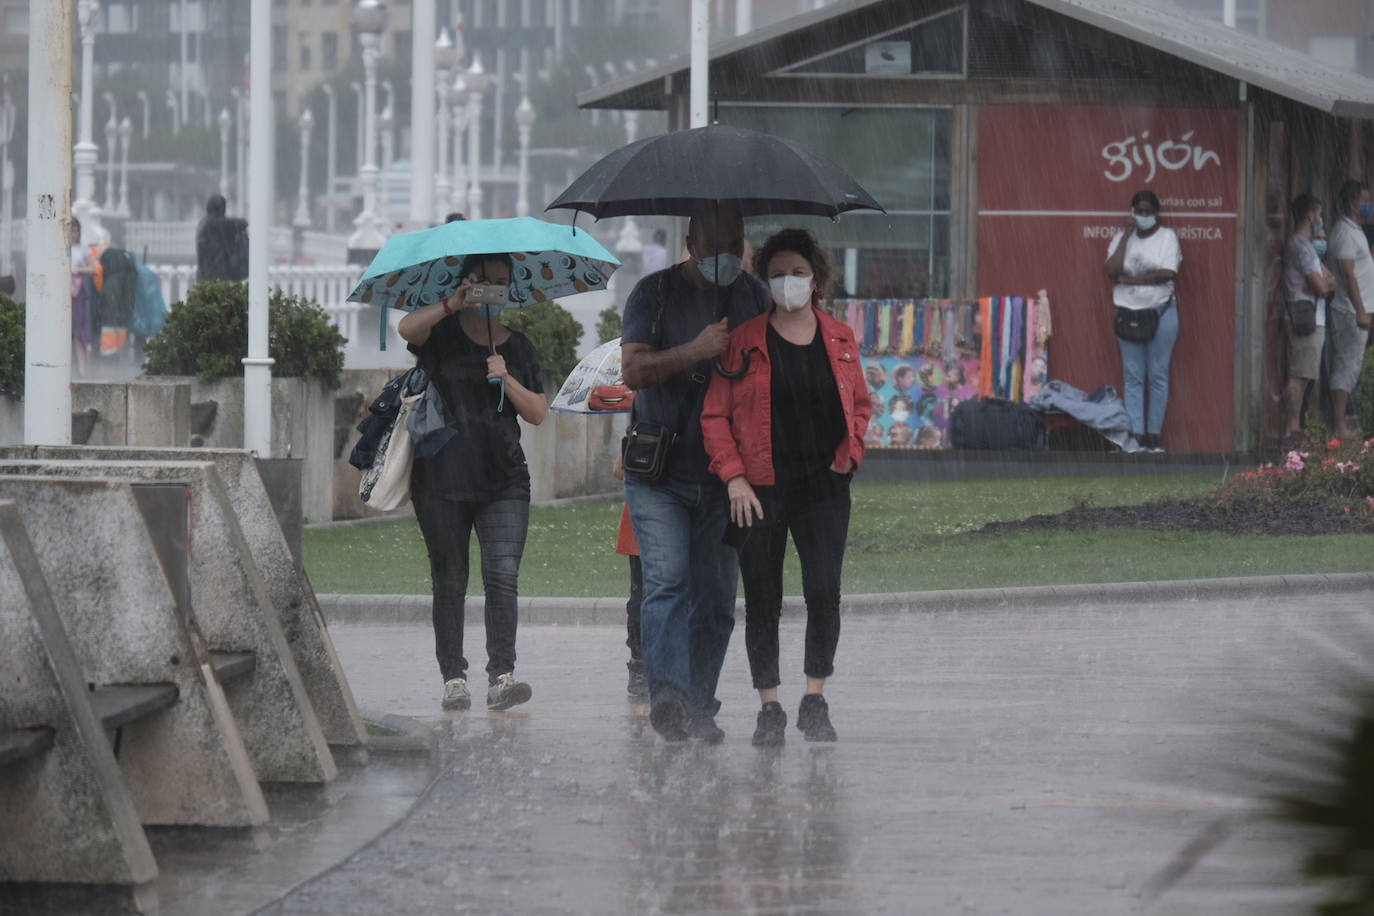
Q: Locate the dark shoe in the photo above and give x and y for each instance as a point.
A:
(638, 684)
(669, 719)
(772, 728)
(705, 730)
(813, 718)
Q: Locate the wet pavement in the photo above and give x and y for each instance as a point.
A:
(1048, 761)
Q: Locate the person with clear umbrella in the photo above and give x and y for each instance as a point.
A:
(676, 324)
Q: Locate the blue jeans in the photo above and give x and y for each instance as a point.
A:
(688, 612)
(1145, 364)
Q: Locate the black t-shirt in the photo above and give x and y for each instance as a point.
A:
(483, 461)
(666, 310)
(808, 421)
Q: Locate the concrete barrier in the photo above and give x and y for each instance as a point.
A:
(234, 611)
(68, 815)
(144, 412)
(287, 586)
(186, 764)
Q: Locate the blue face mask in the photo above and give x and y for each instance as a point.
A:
(1320, 246)
(1367, 211)
(721, 269)
(1318, 226)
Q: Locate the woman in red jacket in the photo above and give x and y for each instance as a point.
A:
(786, 437)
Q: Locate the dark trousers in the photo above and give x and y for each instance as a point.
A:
(447, 526)
(632, 610)
(818, 518)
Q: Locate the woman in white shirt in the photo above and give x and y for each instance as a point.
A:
(1142, 262)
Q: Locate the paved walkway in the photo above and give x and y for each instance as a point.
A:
(1045, 761)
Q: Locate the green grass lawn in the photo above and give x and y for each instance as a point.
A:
(903, 537)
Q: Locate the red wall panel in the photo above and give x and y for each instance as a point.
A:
(1055, 183)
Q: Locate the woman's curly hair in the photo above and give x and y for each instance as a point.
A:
(804, 243)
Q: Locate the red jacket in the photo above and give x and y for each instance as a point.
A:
(737, 418)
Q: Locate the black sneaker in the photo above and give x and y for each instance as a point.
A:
(669, 719)
(772, 728)
(813, 718)
(705, 730)
(638, 684)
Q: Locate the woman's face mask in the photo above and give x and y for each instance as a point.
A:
(720, 269)
(900, 414)
(1145, 223)
(790, 292)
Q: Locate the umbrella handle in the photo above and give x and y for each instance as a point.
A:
(743, 366)
(500, 405)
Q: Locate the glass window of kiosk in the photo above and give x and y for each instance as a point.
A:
(901, 156)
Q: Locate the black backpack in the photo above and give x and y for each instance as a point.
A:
(998, 425)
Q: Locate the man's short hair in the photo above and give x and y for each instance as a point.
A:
(216, 205)
(1302, 205)
(1349, 194)
(714, 214)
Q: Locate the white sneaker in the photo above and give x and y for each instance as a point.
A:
(508, 692)
(456, 694)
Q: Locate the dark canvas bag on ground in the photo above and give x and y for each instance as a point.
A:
(996, 424)
(1137, 325)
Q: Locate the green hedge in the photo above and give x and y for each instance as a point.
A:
(11, 347)
(207, 336)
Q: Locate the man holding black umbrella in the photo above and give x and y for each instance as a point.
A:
(676, 324)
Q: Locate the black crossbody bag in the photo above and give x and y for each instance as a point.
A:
(648, 446)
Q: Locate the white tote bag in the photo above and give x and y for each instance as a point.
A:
(386, 485)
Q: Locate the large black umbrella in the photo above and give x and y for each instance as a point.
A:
(674, 174)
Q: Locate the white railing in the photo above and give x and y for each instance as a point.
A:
(177, 241)
(329, 286)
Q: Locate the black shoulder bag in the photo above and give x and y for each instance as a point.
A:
(648, 445)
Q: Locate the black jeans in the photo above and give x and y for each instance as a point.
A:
(632, 610)
(817, 515)
(501, 528)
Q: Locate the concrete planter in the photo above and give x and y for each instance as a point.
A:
(11, 420)
(302, 427)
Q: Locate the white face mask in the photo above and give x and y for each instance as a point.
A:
(791, 293)
(901, 414)
(1145, 223)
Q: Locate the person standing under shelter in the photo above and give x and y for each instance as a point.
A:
(677, 321)
(1348, 317)
(1303, 321)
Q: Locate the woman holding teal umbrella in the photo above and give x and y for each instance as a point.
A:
(478, 480)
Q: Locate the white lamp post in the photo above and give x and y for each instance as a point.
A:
(257, 364)
(126, 132)
(524, 120)
(239, 182)
(629, 242)
(369, 16)
(302, 219)
(85, 152)
(331, 164)
(422, 126)
(7, 118)
(477, 84)
(386, 123)
(458, 99)
(358, 154)
(143, 100)
(445, 57)
(111, 151)
(176, 112)
(225, 121)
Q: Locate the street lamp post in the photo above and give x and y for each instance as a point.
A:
(126, 132)
(85, 152)
(331, 166)
(369, 16)
(143, 100)
(302, 219)
(422, 126)
(629, 245)
(445, 57)
(458, 99)
(176, 112)
(111, 151)
(386, 123)
(225, 121)
(524, 120)
(7, 118)
(358, 154)
(477, 84)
